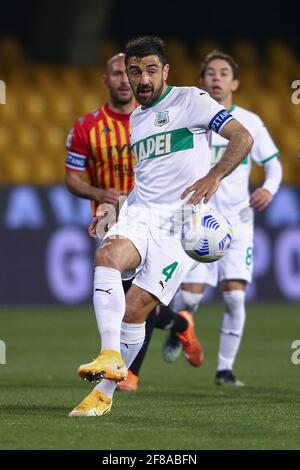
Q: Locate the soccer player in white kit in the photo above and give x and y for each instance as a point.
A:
(219, 76)
(170, 136)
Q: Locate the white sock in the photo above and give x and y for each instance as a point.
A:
(232, 328)
(109, 304)
(185, 300)
(132, 339)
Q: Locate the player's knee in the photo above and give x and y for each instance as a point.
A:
(194, 287)
(235, 312)
(185, 300)
(235, 301)
(138, 305)
(136, 312)
(104, 257)
(192, 299)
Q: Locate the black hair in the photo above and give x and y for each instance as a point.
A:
(144, 46)
(220, 55)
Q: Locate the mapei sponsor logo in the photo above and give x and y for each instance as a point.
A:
(158, 145)
(162, 118)
(154, 146)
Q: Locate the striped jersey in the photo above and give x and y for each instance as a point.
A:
(99, 143)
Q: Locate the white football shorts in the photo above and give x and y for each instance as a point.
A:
(164, 264)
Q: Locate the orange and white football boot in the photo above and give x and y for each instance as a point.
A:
(130, 384)
(95, 404)
(108, 364)
(192, 347)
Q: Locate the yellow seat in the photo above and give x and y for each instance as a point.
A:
(54, 138)
(108, 48)
(245, 53)
(61, 108)
(89, 101)
(245, 100)
(268, 108)
(44, 79)
(34, 105)
(27, 137)
(6, 139)
(203, 47)
(280, 52)
(187, 74)
(17, 168)
(46, 171)
(11, 52)
(176, 48)
(9, 112)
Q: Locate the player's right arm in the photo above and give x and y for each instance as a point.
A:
(78, 154)
(92, 230)
(76, 185)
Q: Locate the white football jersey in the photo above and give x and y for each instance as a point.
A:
(232, 197)
(171, 142)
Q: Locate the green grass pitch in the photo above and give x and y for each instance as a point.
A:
(176, 407)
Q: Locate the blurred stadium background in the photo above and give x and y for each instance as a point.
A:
(52, 56)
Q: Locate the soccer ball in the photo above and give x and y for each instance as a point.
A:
(206, 236)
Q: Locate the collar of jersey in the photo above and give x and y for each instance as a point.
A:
(117, 116)
(232, 107)
(162, 97)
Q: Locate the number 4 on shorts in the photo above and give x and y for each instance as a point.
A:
(169, 270)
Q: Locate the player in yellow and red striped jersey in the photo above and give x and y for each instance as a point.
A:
(98, 145)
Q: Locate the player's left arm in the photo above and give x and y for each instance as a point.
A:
(265, 153)
(202, 111)
(240, 143)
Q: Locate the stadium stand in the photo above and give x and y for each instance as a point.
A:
(43, 101)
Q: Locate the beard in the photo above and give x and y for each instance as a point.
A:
(151, 97)
(118, 99)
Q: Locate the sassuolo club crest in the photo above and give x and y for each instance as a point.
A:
(162, 118)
